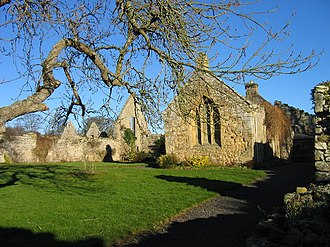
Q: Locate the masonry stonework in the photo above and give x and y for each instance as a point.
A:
(18, 148)
(240, 129)
(131, 117)
(321, 96)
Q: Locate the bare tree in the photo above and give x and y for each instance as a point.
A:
(29, 122)
(102, 45)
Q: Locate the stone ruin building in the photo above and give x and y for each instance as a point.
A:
(209, 118)
(70, 146)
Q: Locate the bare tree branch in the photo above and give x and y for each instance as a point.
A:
(4, 2)
(147, 48)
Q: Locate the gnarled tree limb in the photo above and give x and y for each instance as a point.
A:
(35, 102)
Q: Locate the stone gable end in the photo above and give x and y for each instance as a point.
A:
(208, 118)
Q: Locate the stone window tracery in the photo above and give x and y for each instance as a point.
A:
(208, 124)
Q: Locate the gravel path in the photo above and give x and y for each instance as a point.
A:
(229, 219)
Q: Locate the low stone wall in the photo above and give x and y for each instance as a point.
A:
(69, 147)
(322, 131)
(85, 149)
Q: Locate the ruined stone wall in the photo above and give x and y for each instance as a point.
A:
(131, 117)
(322, 131)
(302, 122)
(71, 147)
(18, 148)
(242, 124)
(85, 149)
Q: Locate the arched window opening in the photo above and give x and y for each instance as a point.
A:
(208, 122)
(217, 129)
(199, 128)
(208, 125)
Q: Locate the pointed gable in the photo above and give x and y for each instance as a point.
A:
(69, 131)
(93, 131)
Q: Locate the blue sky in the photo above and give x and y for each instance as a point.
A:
(310, 29)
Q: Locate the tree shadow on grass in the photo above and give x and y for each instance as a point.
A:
(48, 177)
(237, 210)
(211, 185)
(17, 237)
(12, 179)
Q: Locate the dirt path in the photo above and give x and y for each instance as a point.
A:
(229, 219)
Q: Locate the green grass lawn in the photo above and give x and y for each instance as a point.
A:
(116, 202)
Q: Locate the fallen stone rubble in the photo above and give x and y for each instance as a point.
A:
(303, 221)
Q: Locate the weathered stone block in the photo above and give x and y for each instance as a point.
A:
(318, 155)
(93, 131)
(319, 102)
(321, 146)
(322, 176)
(318, 130)
(322, 166)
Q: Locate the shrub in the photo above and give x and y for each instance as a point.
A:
(168, 161)
(129, 137)
(249, 164)
(199, 161)
(137, 156)
(277, 122)
(7, 158)
(14, 131)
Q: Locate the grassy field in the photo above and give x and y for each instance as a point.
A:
(105, 201)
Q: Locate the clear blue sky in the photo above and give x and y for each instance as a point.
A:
(310, 29)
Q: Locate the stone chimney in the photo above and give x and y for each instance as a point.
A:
(251, 90)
